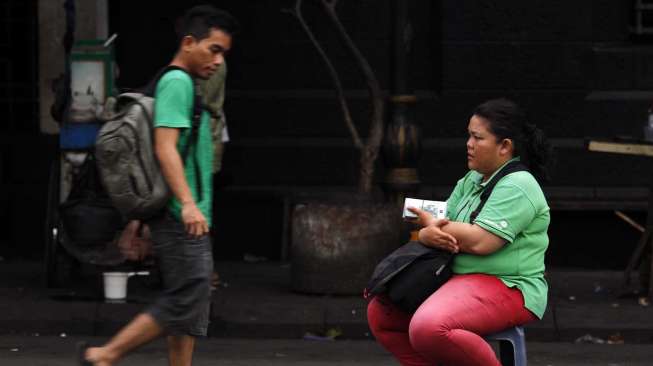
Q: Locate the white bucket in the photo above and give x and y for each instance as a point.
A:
(115, 284)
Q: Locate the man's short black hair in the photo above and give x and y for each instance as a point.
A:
(199, 20)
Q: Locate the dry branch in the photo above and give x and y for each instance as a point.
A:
(346, 115)
(369, 149)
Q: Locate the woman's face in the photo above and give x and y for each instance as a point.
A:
(484, 153)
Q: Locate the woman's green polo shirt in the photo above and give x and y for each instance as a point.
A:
(517, 212)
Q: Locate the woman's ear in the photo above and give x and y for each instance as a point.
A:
(507, 147)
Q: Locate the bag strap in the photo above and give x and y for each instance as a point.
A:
(196, 118)
(195, 127)
(512, 167)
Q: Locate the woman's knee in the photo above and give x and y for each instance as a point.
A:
(427, 333)
(376, 315)
(382, 315)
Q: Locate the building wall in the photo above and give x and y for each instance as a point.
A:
(572, 64)
(557, 58)
(24, 153)
(31, 56)
(554, 57)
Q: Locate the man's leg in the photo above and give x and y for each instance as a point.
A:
(142, 329)
(180, 350)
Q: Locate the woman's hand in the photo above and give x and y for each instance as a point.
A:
(424, 218)
(433, 236)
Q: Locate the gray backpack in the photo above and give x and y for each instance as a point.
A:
(124, 150)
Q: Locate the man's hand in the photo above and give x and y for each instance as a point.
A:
(433, 236)
(193, 219)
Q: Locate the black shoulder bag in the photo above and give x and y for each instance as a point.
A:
(413, 272)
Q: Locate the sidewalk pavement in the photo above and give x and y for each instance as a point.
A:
(255, 301)
(58, 351)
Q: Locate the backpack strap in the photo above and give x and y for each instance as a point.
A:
(512, 167)
(195, 127)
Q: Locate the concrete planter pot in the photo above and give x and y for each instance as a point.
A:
(336, 246)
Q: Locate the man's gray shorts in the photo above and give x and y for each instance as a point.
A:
(186, 265)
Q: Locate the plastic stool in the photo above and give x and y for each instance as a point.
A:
(512, 346)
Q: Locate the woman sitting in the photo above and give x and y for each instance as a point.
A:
(498, 279)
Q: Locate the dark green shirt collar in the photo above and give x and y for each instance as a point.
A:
(479, 180)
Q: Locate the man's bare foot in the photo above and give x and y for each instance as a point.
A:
(100, 356)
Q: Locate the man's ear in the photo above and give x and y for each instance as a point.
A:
(187, 43)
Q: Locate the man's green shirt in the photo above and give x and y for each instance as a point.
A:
(173, 106)
(516, 211)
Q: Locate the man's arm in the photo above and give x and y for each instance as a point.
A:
(165, 147)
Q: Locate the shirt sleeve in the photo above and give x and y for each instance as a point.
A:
(173, 102)
(507, 212)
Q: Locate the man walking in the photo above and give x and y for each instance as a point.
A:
(180, 237)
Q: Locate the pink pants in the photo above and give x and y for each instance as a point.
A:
(447, 327)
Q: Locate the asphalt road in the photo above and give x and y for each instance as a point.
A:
(59, 351)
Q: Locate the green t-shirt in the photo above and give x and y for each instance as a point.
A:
(517, 212)
(173, 106)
